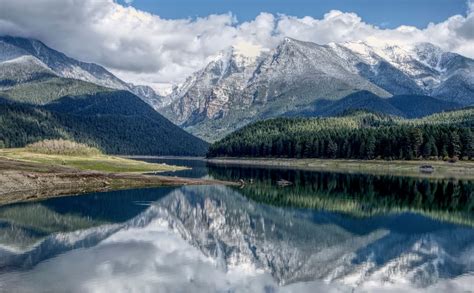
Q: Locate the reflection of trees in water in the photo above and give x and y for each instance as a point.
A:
(356, 193)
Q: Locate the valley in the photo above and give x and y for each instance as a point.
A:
(362, 91)
(236, 146)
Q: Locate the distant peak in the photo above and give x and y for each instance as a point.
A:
(291, 41)
(425, 46)
(288, 42)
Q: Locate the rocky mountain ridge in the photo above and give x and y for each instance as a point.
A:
(32, 53)
(233, 90)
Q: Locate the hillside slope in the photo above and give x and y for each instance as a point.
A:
(407, 106)
(358, 135)
(118, 122)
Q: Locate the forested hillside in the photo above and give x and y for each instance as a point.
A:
(357, 135)
(117, 122)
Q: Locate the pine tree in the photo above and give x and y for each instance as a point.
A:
(455, 144)
(468, 143)
(429, 149)
(416, 140)
(332, 149)
(370, 147)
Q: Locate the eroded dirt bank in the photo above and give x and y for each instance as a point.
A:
(23, 181)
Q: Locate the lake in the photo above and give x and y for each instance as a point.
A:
(325, 232)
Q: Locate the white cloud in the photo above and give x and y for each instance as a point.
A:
(470, 6)
(145, 48)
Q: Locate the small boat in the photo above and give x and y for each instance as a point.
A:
(426, 169)
(283, 182)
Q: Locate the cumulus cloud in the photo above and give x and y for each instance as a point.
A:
(144, 48)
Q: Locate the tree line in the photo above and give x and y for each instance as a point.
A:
(356, 137)
(114, 133)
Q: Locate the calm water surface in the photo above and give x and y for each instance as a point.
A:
(327, 232)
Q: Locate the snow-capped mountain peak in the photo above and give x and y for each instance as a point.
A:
(428, 53)
(38, 54)
(247, 85)
(22, 69)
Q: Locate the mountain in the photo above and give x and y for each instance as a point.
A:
(234, 90)
(421, 68)
(147, 94)
(415, 106)
(45, 94)
(118, 122)
(35, 58)
(363, 100)
(407, 106)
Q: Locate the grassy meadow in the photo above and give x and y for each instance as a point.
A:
(80, 156)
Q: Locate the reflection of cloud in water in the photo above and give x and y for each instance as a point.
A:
(156, 259)
(143, 260)
(239, 245)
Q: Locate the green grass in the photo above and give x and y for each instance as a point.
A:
(98, 162)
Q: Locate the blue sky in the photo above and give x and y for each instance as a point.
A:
(384, 13)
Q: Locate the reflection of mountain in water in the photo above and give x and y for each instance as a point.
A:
(297, 245)
(293, 245)
(31, 232)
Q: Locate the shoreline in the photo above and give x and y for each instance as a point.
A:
(462, 170)
(28, 181)
(141, 157)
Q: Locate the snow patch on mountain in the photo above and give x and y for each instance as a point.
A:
(12, 48)
(244, 83)
(22, 69)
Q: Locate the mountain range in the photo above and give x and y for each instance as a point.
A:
(25, 58)
(45, 94)
(294, 79)
(234, 90)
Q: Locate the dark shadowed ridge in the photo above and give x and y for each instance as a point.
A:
(117, 122)
(408, 106)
